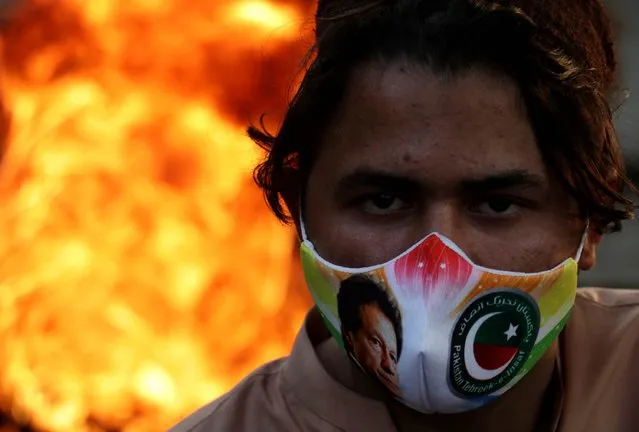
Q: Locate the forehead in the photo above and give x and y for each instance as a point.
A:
(406, 119)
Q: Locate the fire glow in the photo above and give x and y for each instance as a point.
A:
(140, 270)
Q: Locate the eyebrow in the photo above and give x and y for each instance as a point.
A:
(376, 178)
(508, 179)
(503, 180)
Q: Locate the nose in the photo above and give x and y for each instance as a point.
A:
(444, 217)
(447, 218)
(387, 364)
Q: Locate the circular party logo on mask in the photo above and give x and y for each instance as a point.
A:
(491, 342)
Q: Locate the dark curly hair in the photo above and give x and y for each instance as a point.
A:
(559, 52)
(357, 291)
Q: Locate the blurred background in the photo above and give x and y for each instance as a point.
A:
(618, 256)
(141, 274)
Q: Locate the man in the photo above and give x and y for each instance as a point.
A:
(461, 153)
(371, 328)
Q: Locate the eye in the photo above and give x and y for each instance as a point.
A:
(376, 342)
(381, 204)
(496, 206)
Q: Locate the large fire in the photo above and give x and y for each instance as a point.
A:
(141, 274)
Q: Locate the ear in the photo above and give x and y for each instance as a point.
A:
(589, 254)
(348, 341)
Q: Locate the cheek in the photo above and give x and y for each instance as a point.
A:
(348, 245)
(541, 245)
(364, 354)
(372, 359)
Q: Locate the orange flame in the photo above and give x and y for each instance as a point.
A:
(141, 273)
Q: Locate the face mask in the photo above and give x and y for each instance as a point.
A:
(443, 334)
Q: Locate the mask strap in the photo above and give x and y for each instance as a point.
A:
(582, 243)
(302, 225)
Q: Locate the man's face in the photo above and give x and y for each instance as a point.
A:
(374, 346)
(410, 153)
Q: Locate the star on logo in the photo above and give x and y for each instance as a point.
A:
(511, 332)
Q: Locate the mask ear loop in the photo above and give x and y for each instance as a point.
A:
(582, 243)
(303, 225)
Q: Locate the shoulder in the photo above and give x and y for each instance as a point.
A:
(606, 315)
(603, 329)
(608, 298)
(250, 402)
(599, 349)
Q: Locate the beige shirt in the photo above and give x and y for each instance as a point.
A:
(599, 374)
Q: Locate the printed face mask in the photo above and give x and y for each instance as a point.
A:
(440, 332)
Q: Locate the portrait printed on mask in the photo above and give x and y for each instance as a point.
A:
(371, 328)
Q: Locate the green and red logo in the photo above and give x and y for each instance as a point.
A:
(491, 341)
